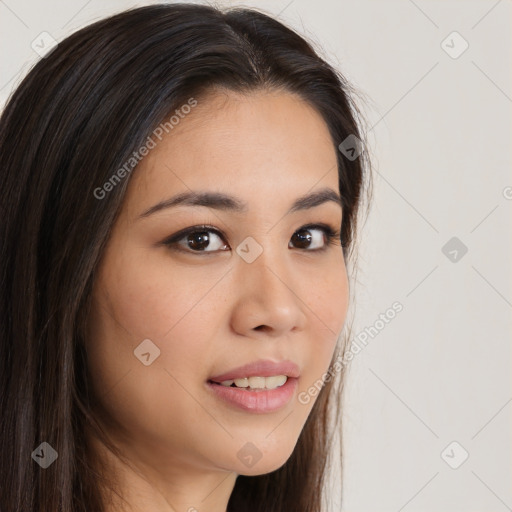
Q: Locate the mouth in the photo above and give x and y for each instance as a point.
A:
(255, 384)
(259, 387)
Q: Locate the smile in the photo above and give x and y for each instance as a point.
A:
(254, 383)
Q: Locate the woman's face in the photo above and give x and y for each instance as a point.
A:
(254, 287)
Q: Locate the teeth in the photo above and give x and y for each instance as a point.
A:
(257, 382)
(242, 383)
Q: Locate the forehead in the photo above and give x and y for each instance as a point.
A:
(264, 146)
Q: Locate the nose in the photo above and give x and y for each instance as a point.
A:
(269, 300)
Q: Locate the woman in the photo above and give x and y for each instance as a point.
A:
(180, 187)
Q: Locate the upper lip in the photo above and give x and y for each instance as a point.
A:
(260, 368)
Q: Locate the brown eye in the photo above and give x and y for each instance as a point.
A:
(312, 237)
(199, 241)
(205, 239)
(302, 239)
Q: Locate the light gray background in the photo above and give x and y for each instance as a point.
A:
(440, 132)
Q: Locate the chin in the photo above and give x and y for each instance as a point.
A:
(261, 463)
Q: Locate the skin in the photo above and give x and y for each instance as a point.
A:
(209, 313)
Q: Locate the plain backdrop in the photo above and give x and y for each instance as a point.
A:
(427, 418)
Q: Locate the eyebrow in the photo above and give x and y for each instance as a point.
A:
(225, 202)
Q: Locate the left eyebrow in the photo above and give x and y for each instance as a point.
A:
(225, 202)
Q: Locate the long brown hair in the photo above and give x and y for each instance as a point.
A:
(78, 116)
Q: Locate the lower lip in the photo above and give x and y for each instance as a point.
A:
(257, 401)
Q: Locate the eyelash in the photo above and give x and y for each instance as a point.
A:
(331, 235)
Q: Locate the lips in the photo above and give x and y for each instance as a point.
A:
(260, 368)
(261, 401)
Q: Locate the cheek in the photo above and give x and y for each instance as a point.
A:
(327, 297)
(154, 401)
(152, 297)
(140, 299)
(328, 306)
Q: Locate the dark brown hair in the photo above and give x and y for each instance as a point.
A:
(76, 117)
